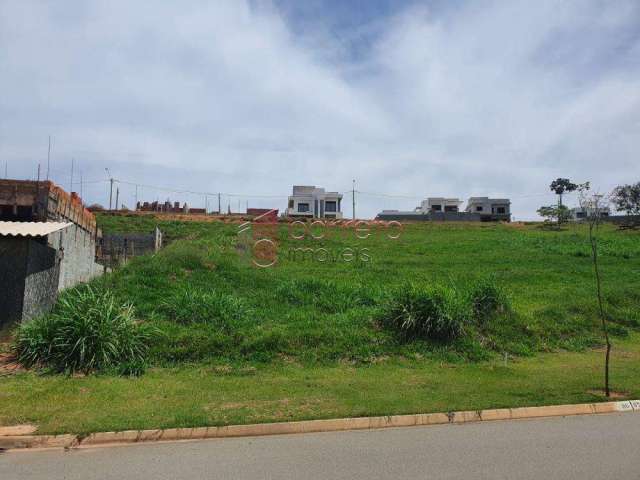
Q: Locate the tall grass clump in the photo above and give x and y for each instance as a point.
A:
(487, 299)
(328, 296)
(87, 331)
(431, 313)
(197, 305)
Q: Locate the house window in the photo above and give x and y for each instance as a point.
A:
(291, 203)
(479, 208)
(450, 208)
(303, 207)
(501, 210)
(330, 206)
(436, 208)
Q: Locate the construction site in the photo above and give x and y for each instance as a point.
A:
(47, 243)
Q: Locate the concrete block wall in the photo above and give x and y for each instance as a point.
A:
(42, 280)
(77, 249)
(29, 283)
(13, 265)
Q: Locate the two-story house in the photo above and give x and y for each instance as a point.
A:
(490, 209)
(314, 202)
(440, 204)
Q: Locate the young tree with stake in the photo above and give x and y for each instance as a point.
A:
(592, 204)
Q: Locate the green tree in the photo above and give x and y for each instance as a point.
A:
(626, 198)
(555, 213)
(561, 186)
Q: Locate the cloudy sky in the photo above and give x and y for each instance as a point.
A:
(410, 98)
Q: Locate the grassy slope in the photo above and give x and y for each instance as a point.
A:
(311, 347)
(327, 311)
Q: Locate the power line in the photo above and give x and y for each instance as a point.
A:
(353, 200)
(71, 184)
(194, 192)
(48, 157)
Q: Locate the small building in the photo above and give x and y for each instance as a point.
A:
(168, 207)
(441, 209)
(314, 202)
(47, 243)
(581, 213)
(269, 215)
(440, 204)
(490, 209)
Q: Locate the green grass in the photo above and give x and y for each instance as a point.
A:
(239, 394)
(304, 339)
(330, 311)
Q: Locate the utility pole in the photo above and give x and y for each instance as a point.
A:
(38, 173)
(136, 197)
(48, 157)
(117, 198)
(80, 184)
(219, 209)
(71, 186)
(6, 169)
(353, 198)
(111, 189)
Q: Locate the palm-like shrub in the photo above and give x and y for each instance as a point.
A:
(88, 330)
(434, 313)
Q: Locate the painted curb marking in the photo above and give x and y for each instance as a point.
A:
(624, 406)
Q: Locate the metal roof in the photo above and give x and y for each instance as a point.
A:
(31, 229)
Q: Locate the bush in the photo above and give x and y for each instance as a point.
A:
(86, 331)
(433, 313)
(196, 305)
(487, 298)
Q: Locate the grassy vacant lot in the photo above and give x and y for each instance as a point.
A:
(327, 311)
(303, 339)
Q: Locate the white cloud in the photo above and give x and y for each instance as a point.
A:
(488, 98)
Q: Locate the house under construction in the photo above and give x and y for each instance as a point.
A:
(47, 243)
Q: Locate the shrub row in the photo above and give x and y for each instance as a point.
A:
(90, 331)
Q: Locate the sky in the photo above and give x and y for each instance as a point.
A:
(410, 99)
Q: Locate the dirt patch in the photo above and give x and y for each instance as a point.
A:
(25, 429)
(612, 395)
(9, 365)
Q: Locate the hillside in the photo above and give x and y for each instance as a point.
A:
(327, 309)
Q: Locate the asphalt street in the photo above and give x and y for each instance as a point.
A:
(582, 447)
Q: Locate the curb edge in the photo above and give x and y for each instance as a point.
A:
(66, 441)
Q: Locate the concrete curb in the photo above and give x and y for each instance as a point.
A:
(8, 442)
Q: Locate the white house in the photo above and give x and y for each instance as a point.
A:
(490, 208)
(580, 213)
(314, 202)
(440, 204)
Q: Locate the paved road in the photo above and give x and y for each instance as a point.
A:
(599, 447)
